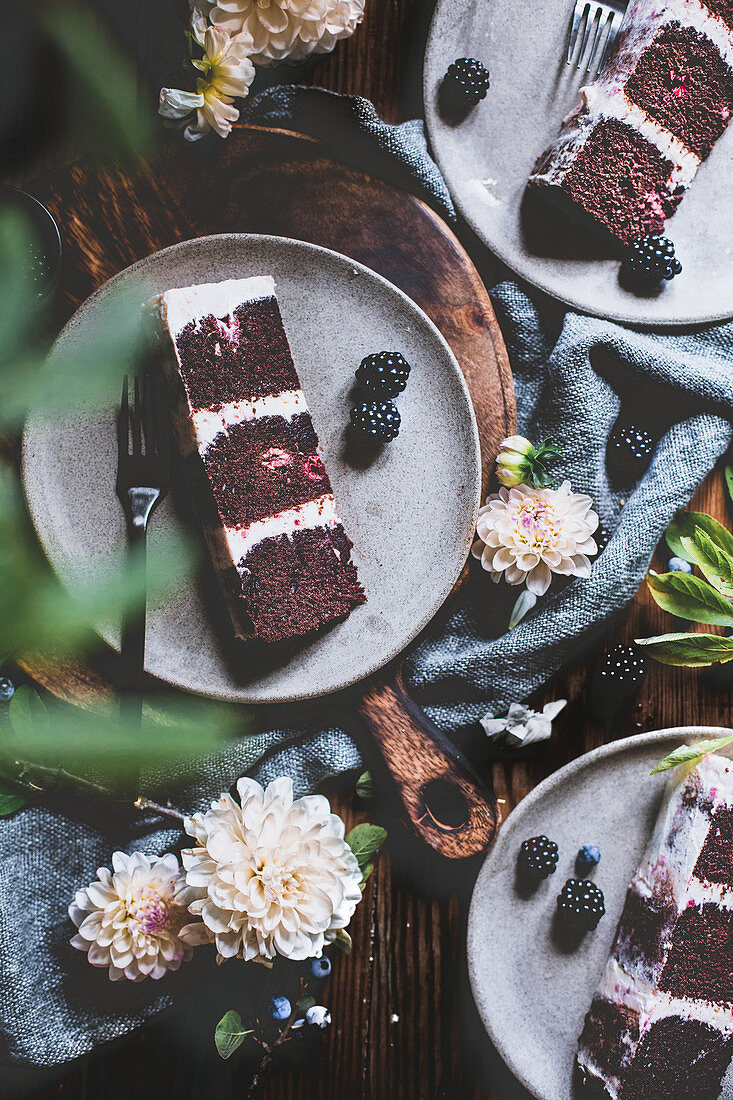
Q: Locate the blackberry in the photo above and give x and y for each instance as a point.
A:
(538, 856)
(580, 904)
(383, 374)
(630, 449)
(464, 85)
(618, 675)
(651, 259)
(376, 419)
(7, 689)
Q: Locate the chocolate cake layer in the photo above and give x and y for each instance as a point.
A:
(264, 497)
(700, 960)
(621, 181)
(716, 858)
(306, 578)
(678, 1059)
(682, 81)
(262, 467)
(244, 355)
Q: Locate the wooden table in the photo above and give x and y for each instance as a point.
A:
(404, 1025)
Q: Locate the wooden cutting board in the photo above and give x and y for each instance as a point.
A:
(273, 181)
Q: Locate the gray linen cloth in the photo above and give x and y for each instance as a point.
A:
(573, 374)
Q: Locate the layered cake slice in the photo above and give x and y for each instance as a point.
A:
(662, 100)
(661, 1024)
(240, 415)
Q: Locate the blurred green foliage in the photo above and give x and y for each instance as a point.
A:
(45, 744)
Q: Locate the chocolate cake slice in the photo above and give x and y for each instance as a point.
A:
(242, 422)
(662, 100)
(661, 1024)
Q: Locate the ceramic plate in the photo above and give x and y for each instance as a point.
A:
(487, 158)
(411, 512)
(532, 995)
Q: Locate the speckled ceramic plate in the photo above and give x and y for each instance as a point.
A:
(531, 992)
(411, 512)
(487, 159)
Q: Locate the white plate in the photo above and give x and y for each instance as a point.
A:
(411, 512)
(487, 159)
(530, 993)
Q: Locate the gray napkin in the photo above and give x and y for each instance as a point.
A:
(572, 375)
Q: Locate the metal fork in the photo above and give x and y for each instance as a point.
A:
(595, 25)
(143, 466)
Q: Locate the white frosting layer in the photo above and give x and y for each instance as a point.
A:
(653, 1005)
(209, 423)
(192, 303)
(600, 99)
(316, 513)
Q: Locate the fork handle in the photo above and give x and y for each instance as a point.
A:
(142, 502)
(133, 632)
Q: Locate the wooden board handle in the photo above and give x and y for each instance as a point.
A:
(446, 803)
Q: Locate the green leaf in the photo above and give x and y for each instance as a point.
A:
(230, 1034)
(343, 941)
(691, 754)
(10, 801)
(690, 598)
(304, 1004)
(365, 787)
(715, 563)
(688, 650)
(366, 872)
(364, 840)
(683, 526)
(28, 714)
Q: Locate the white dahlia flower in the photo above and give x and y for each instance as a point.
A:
(272, 875)
(527, 534)
(289, 29)
(134, 919)
(227, 72)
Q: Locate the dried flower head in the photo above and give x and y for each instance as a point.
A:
(272, 875)
(289, 30)
(527, 534)
(134, 919)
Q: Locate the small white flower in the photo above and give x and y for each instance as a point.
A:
(227, 72)
(134, 919)
(289, 29)
(318, 1016)
(272, 875)
(523, 726)
(527, 534)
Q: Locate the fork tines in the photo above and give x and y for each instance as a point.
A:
(595, 26)
(142, 443)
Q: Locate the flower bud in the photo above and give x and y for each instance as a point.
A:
(520, 463)
(512, 465)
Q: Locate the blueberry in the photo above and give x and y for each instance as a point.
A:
(7, 689)
(280, 1008)
(318, 1016)
(588, 856)
(679, 565)
(321, 968)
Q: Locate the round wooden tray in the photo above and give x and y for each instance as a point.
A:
(273, 181)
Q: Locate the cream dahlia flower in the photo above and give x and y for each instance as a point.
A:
(527, 534)
(227, 72)
(134, 919)
(289, 29)
(272, 875)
